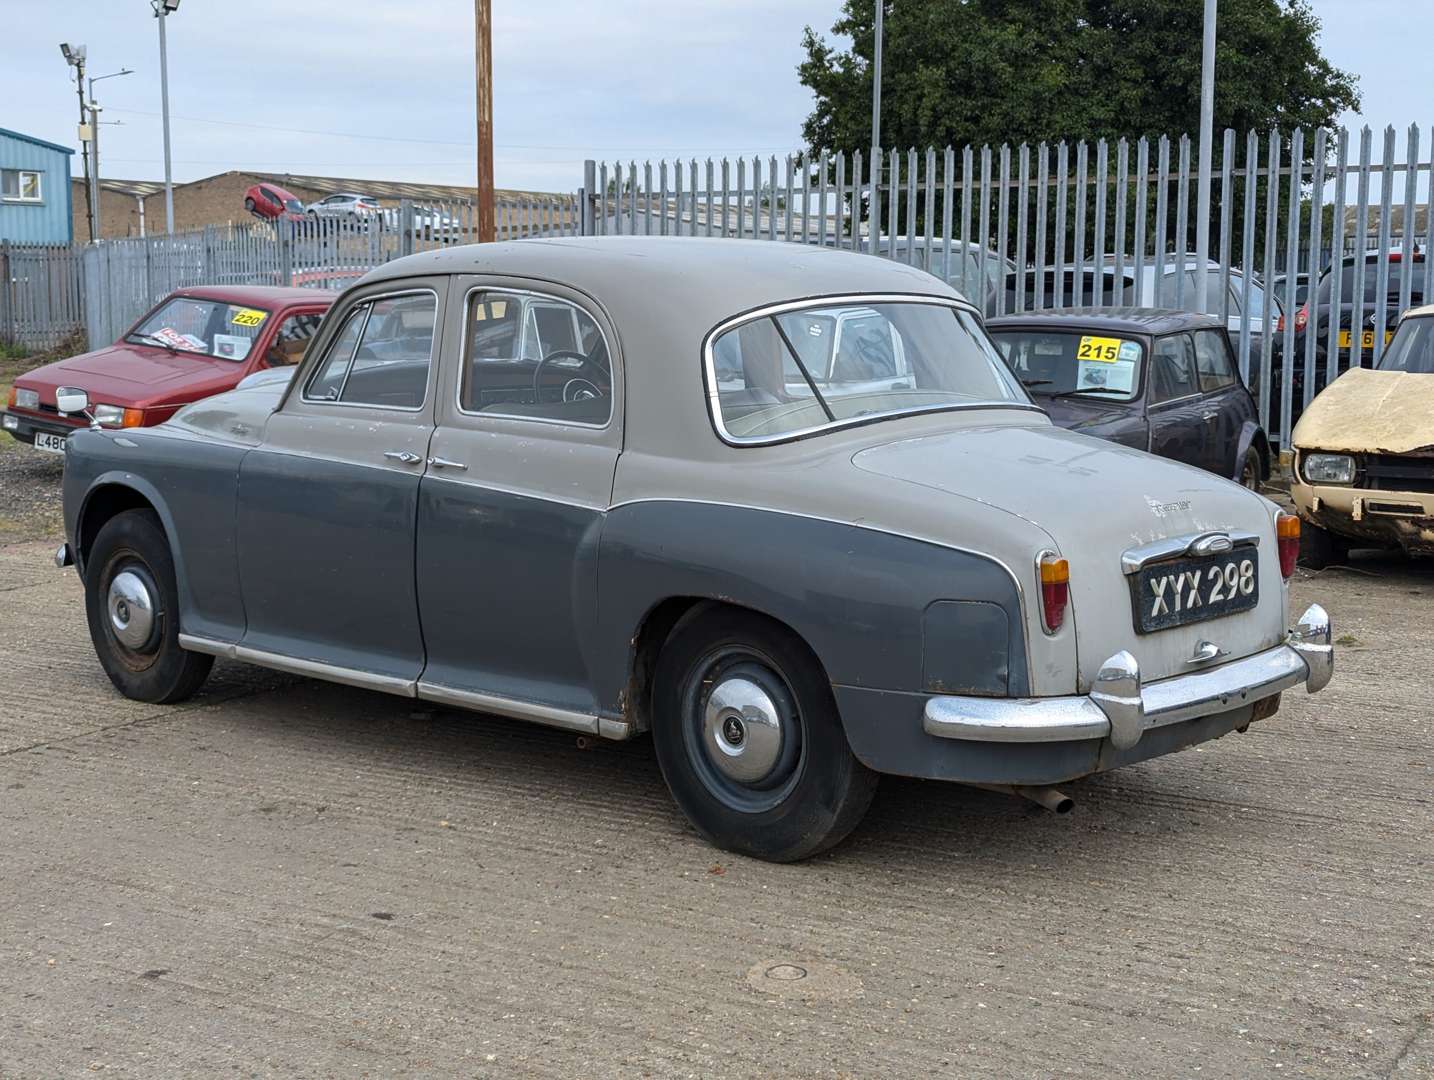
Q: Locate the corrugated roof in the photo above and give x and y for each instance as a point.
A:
(38, 142)
(392, 190)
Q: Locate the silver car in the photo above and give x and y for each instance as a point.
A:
(783, 509)
(346, 206)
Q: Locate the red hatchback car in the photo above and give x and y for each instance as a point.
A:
(270, 201)
(194, 343)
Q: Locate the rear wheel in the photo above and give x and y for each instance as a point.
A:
(132, 604)
(249, 204)
(749, 740)
(1320, 548)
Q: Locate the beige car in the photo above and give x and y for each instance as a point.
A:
(1364, 453)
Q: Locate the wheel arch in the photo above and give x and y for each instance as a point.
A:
(653, 631)
(114, 493)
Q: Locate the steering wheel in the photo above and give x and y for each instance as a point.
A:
(576, 388)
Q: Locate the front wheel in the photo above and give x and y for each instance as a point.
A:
(749, 740)
(132, 604)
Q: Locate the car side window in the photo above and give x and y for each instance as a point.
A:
(543, 359)
(1212, 361)
(292, 339)
(382, 354)
(1172, 369)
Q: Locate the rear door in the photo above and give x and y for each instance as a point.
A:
(512, 507)
(1178, 429)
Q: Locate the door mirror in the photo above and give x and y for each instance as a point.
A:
(70, 399)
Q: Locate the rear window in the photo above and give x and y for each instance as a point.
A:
(1370, 288)
(833, 364)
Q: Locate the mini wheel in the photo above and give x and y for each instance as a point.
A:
(749, 739)
(132, 605)
(1251, 470)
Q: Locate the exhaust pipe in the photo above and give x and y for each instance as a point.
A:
(1057, 802)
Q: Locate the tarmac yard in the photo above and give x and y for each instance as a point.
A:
(288, 878)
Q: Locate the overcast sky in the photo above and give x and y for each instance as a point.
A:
(384, 90)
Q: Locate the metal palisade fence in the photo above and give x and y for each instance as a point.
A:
(41, 296)
(1316, 239)
(124, 278)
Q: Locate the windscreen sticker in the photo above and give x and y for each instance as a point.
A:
(248, 316)
(1104, 349)
(232, 346)
(196, 343)
(171, 336)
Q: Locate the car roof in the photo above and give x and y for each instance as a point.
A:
(264, 296)
(1130, 320)
(664, 296)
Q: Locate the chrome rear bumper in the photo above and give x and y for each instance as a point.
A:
(1121, 708)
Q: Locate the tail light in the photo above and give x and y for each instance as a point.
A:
(1287, 532)
(1055, 590)
(1302, 318)
(1280, 324)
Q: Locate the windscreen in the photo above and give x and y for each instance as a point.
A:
(831, 364)
(1412, 348)
(1073, 363)
(207, 327)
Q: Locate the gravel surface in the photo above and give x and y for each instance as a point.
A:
(29, 492)
(288, 878)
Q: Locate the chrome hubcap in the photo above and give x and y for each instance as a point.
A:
(131, 610)
(742, 729)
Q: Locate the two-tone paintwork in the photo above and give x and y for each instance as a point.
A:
(903, 551)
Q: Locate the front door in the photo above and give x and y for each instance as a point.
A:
(1178, 429)
(512, 506)
(1224, 402)
(328, 502)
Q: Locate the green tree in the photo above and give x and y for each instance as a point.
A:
(973, 72)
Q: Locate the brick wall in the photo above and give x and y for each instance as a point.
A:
(215, 201)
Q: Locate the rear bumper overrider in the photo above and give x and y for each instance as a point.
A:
(1121, 708)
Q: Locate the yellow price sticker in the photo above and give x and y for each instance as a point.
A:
(1104, 349)
(248, 317)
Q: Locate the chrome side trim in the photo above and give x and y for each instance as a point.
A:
(195, 643)
(1215, 542)
(1121, 708)
(504, 706)
(317, 669)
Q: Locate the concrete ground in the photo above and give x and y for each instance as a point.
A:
(287, 878)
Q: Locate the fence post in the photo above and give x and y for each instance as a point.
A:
(286, 230)
(7, 308)
(586, 198)
(405, 227)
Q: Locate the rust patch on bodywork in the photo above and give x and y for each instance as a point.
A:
(1372, 412)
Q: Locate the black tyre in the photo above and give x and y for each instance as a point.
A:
(749, 740)
(249, 204)
(132, 604)
(1320, 548)
(1252, 470)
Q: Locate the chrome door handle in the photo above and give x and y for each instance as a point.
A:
(444, 463)
(402, 455)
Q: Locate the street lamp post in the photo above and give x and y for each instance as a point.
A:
(75, 56)
(1207, 133)
(95, 145)
(163, 8)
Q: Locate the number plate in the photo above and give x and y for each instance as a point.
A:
(55, 444)
(1366, 338)
(1184, 591)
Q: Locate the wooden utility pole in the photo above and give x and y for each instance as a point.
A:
(483, 55)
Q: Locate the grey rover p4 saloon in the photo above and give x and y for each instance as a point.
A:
(785, 508)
